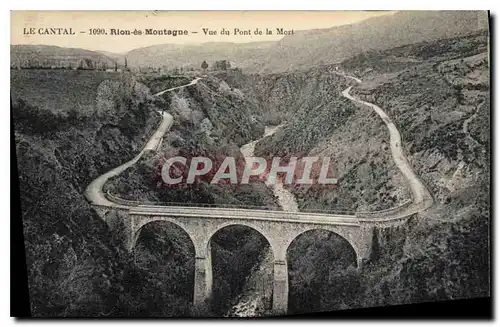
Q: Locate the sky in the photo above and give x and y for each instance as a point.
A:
(82, 22)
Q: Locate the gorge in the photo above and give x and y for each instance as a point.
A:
(438, 100)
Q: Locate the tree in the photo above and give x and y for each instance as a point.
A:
(204, 65)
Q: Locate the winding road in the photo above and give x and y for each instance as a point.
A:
(422, 199)
(178, 87)
(94, 192)
(356, 228)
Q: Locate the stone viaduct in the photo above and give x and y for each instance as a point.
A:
(126, 218)
(279, 228)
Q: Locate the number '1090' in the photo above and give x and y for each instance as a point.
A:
(97, 31)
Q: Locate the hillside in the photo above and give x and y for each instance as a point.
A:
(441, 104)
(306, 49)
(49, 56)
(44, 88)
(75, 266)
(205, 117)
(368, 179)
(437, 93)
(302, 50)
(187, 56)
(118, 57)
(430, 72)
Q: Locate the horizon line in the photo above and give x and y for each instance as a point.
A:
(195, 43)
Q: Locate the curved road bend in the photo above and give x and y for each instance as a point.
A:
(178, 87)
(422, 199)
(421, 196)
(94, 192)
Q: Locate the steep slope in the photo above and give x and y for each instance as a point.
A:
(437, 94)
(307, 49)
(319, 121)
(209, 119)
(442, 107)
(75, 267)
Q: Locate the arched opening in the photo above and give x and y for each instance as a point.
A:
(164, 259)
(322, 273)
(242, 270)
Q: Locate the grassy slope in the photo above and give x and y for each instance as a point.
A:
(47, 56)
(442, 253)
(429, 91)
(368, 179)
(58, 90)
(204, 124)
(75, 267)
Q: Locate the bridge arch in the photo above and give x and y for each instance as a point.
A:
(279, 236)
(225, 247)
(269, 238)
(311, 261)
(140, 222)
(344, 235)
(170, 256)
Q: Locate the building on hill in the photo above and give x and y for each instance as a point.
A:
(221, 65)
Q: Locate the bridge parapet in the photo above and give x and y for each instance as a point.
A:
(110, 207)
(384, 223)
(382, 218)
(134, 203)
(122, 201)
(386, 212)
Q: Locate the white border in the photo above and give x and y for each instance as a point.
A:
(189, 5)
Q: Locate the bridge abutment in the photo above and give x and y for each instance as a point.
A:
(121, 223)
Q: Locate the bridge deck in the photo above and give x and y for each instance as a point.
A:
(248, 214)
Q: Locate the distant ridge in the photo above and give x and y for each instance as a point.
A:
(310, 48)
(304, 49)
(50, 56)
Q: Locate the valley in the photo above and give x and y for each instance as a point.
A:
(406, 126)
